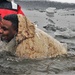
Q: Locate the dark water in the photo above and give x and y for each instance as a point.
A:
(11, 65)
(44, 4)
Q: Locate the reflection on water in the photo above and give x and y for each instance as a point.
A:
(11, 65)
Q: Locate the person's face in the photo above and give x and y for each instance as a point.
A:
(7, 31)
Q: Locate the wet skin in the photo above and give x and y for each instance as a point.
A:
(7, 31)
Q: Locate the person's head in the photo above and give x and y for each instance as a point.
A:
(9, 27)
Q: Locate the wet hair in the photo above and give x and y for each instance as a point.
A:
(14, 19)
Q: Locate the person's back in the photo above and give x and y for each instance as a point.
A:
(7, 7)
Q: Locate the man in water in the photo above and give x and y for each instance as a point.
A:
(8, 31)
(21, 35)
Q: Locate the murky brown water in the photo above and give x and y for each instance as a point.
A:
(11, 65)
(61, 65)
